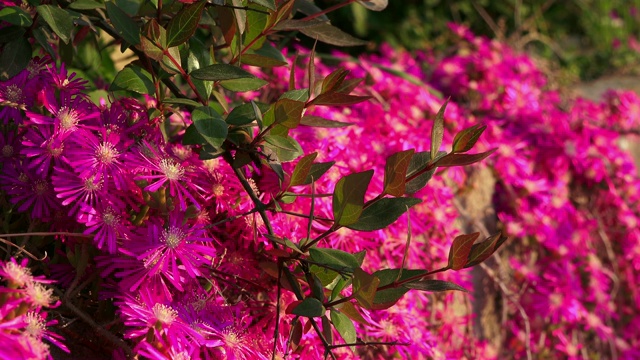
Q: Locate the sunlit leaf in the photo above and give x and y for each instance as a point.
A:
(383, 213)
(395, 172)
(460, 249)
(433, 285)
(348, 197)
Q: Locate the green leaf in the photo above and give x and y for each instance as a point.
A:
(433, 285)
(437, 132)
(374, 5)
(133, 78)
(181, 101)
(309, 307)
(266, 57)
(16, 16)
(317, 170)
(463, 159)
(483, 250)
(86, 5)
(210, 125)
(345, 327)
(184, 24)
(192, 136)
(14, 57)
(217, 72)
(348, 197)
(460, 248)
(338, 99)
(395, 172)
(388, 297)
(322, 31)
(256, 23)
(244, 84)
(269, 4)
(334, 259)
(317, 287)
(350, 310)
(124, 25)
(60, 21)
(325, 275)
(288, 112)
(244, 114)
(465, 139)
(11, 33)
(308, 7)
(365, 287)
(172, 64)
(383, 213)
(317, 121)
(301, 171)
(287, 148)
(418, 163)
(297, 95)
(43, 39)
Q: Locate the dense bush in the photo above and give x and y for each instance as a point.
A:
(134, 219)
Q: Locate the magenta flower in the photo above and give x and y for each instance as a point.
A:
(160, 169)
(172, 251)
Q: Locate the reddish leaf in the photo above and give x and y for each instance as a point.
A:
(463, 159)
(334, 80)
(460, 248)
(296, 334)
(335, 99)
(466, 138)
(395, 172)
(483, 250)
(433, 285)
(317, 121)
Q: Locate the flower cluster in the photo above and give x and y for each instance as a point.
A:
(182, 251)
(24, 327)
